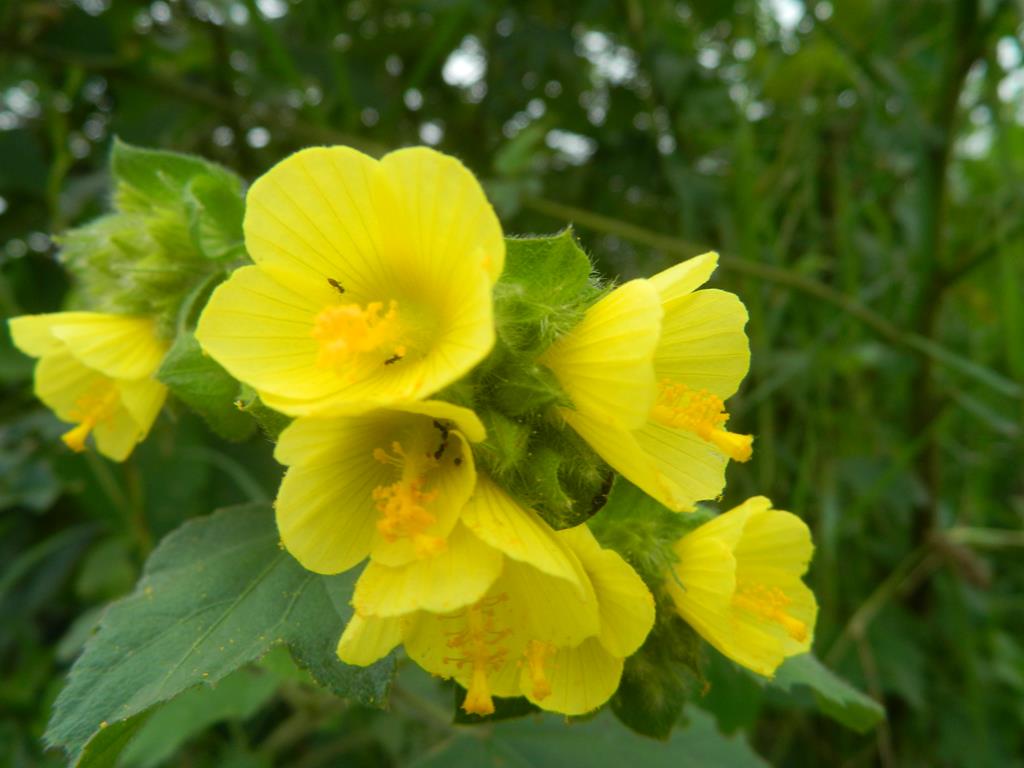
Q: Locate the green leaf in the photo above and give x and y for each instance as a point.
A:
(203, 385)
(836, 698)
(596, 743)
(237, 697)
(216, 594)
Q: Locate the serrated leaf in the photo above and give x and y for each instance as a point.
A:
(836, 698)
(106, 747)
(595, 743)
(203, 385)
(216, 594)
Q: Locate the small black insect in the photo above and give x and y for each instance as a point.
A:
(393, 359)
(444, 440)
(335, 285)
(458, 461)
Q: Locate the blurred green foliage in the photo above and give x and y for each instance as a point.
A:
(860, 165)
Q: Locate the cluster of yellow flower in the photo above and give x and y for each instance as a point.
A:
(371, 290)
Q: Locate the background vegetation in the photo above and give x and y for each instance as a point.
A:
(860, 166)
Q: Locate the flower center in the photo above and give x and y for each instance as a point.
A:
(478, 645)
(403, 504)
(702, 413)
(349, 332)
(90, 409)
(770, 603)
(537, 653)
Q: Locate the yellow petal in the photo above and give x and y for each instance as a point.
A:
(118, 346)
(689, 469)
(260, 330)
(682, 279)
(61, 380)
(143, 400)
(519, 533)
(773, 539)
(625, 604)
(703, 344)
(464, 420)
(117, 436)
(449, 217)
(550, 609)
(369, 639)
(320, 213)
(703, 586)
(456, 577)
(605, 362)
(582, 679)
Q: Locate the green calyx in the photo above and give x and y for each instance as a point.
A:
(177, 222)
(543, 292)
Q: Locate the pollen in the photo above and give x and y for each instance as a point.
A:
(537, 654)
(701, 412)
(479, 646)
(403, 504)
(90, 409)
(349, 332)
(770, 604)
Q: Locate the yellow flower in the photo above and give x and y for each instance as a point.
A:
(96, 371)
(561, 642)
(372, 282)
(390, 483)
(738, 583)
(660, 420)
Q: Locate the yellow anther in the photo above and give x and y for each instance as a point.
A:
(702, 413)
(478, 644)
(348, 331)
(90, 409)
(770, 603)
(537, 653)
(403, 509)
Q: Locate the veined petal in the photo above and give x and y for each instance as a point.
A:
(33, 334)
(729, 527)
(689, 469)
(320, 213)
(680, 280)
(703, 345)
(562, 617)
(773, 539)
(605, 363)
(62, 379)
(120, 347)
(448, 217)
(456, 577)
(519, 533)
(368, 639)
(581, 679)
(703, 587)
(260, 330)
(625, 604)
